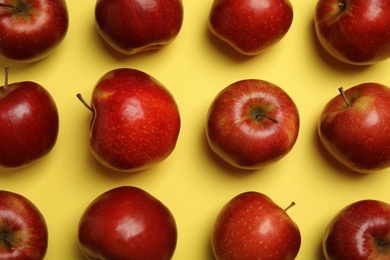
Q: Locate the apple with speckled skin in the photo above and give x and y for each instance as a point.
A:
(360, 230)
(127, 223)
(250, 27)
(251, 226)
(135, 123)
(23, 229)
(354, 127)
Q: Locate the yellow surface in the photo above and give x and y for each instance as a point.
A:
(192, 182)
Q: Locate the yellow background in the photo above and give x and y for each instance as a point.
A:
(192, 182)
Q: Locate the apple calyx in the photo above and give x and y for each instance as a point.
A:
(292, 204)
(17, 9)
(6, 242)
(347, 102)
(258, 115)
(80, 97)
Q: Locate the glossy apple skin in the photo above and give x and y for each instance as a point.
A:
(132, 26)
(358, 135)
(127, 223)
(136, 121)
(358, 33)
(359, 231)
(29, 124)
(252, 226)
(250, 27)
(23, 226)
(239, 134)
(34, 33)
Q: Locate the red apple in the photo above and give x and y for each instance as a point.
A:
(31, 29)
(23, 230)
(29, 123)
(359, 231)
(127, 223)
(354, 127)
(252, 226)
(132, 26)
(252, 123)
(135, 122)
(250, 27)
(354, 31)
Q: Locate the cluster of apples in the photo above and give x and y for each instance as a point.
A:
(250, 124)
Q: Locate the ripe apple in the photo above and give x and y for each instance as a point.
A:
(252, 226)
(135, 122)
(360, 230)
(250, 27)
(30, 29)
(127, 223)
(354, 31)
(23, 230)
(132, 26)
(29, 123)
(252, 123)
(354, 127)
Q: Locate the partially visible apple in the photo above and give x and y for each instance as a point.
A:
(127, 223)
(132, 26)
(360, 230)
(30, 30)
(354, 31)
(23, 230)
(252, 123)
(354, 127)
(252, 226)
(251, 27)
(136, 121)
(29, 123)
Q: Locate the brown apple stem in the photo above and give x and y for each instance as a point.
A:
(344, 96)
(290, 206)
(265, 116)
(7, 243)
(16, 8)
(80, 97)
(6, 80)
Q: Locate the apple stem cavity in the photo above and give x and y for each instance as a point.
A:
(80, 97)
(16, 8)
(342, 6)
(347, 102)
(292, 204)
(258, 115)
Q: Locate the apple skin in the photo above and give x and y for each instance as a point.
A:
(359, 231)
(234, 233)
(29, 124)
(127, 223)
(240, 124)
(136, 121)
(358, 135)
(23, 229)
(133, 26)
(354, 31)
(34, 32)
(250, 27)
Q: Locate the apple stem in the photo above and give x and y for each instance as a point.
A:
(6, 80)
(342, 6)
(7, 243)
(290, 206)
(16, 8)
(265, 116)
(80, 97)
(344, 97)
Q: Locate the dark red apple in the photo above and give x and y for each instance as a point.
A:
(135, 122)
(252, 226)
(250, 27)
(29, 123)
(354, 127)
(359, 231)
(132, 26)
(252, 123)
(31, 29)
(354, 31)
(127, 223)
(23, 230)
